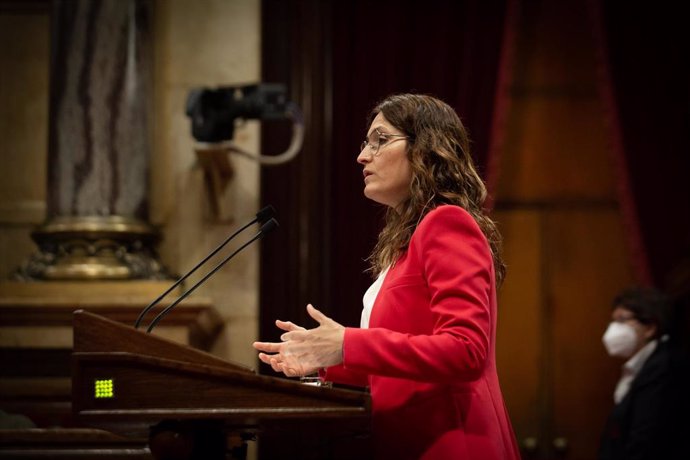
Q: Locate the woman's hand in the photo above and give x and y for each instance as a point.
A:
(304, 351)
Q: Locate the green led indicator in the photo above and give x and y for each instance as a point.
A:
(104, 388)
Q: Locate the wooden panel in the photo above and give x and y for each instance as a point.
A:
(556, 150)
(39, 314)
(95, 333)
(587, 265)
(569, 259)
(140, 386)
(31, 362)
(556, 145)
(139, 394)
(44, 400)
(76, 443)
(520, 321)
(36, 337)
(555, 46)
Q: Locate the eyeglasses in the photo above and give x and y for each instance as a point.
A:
(377, 139)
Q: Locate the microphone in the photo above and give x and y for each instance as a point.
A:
(262, 217)
(267, 227)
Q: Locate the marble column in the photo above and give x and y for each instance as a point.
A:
(99, 145)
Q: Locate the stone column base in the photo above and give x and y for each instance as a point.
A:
(93, 248)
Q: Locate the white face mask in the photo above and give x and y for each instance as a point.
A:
(620, 339)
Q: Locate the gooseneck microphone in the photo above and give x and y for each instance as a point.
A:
(265, 228)
(263, 217)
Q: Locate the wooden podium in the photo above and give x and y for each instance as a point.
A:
(132, 383)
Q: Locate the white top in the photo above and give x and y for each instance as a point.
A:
(370, 297)
(630, 370)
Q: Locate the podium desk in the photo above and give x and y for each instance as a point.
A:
(138, 385)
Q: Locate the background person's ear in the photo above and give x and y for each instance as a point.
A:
(650, 331)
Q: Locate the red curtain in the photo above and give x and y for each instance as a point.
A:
(644, 78)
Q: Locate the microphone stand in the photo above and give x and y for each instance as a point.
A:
(265, 228)
(263, 216)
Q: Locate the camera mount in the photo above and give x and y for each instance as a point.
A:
(213, 113)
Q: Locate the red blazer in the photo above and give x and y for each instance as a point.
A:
(429, 353)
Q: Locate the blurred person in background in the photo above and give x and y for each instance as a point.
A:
(646, 420)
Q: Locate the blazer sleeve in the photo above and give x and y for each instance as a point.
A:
(338, 374)
(456, 262)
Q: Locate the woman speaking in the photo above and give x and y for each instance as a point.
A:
(426, 346)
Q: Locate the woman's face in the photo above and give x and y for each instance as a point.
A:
(387, 171)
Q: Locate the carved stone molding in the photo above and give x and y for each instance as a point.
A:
(93, 248)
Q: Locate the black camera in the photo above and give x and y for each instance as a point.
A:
(213, 111)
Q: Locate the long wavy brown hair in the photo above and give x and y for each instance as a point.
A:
(442, 173)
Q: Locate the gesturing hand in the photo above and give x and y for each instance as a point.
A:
(304, 351)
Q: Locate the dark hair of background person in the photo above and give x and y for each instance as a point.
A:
(650, 306)
(442, 173)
